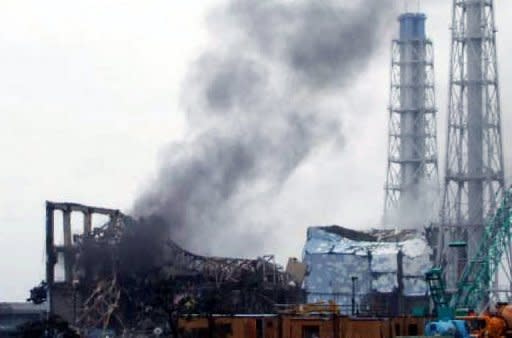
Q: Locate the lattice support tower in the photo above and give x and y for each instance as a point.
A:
(474, 174)
(412, 171)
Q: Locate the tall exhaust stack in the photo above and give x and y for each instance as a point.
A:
(412, 171)
(474, 177)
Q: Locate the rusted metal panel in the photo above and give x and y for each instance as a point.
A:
(372, 328)
(307, 326)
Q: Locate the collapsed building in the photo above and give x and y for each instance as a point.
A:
(128, 275)
(376, 273)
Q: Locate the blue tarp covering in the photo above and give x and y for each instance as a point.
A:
(333, 260)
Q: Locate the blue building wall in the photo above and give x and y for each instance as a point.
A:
(332, 261)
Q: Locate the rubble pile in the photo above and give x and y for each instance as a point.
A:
(128, 276)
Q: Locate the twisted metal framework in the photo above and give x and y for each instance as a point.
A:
(222, 270)
(100, 308)
(104, 288)
(412, 170)
(474, 177)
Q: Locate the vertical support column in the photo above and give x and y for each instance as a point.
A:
(400, 276)
(50, 255)
(475, 125)
(412, 94)
(113, 219)
(67, 245)
(87, 222)
(353, 298)
(406, 120)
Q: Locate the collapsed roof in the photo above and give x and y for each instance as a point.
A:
(128, 273)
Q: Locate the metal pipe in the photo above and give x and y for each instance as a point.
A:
(354, 280)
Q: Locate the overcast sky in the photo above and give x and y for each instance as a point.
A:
(90, 95)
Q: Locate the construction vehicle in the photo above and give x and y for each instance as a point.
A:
(445, 324)
(466, 312)
(461, 322)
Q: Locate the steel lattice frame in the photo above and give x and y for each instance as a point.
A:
(413, 94)
(474, 176)
(480, 272)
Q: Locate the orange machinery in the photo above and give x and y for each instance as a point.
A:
(298, 325)
(491, 325)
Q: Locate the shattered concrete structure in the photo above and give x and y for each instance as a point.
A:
(129, 276)
(379, 272)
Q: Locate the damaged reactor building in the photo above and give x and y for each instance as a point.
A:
(375, 273)
(127, 275)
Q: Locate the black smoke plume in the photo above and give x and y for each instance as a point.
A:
(258, 104)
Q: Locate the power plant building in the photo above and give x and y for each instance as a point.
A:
(383, 270)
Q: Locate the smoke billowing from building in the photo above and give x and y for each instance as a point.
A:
(257, 102)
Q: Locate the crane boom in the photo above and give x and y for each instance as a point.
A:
(473, 287)
(474, 283)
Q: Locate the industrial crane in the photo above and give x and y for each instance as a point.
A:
(472, 292)
(473, 286)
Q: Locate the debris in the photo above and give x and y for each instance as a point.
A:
(128, 276)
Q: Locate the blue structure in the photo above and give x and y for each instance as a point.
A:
(412, 26)
(448, 328)
(412, 184)
(376, 271)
